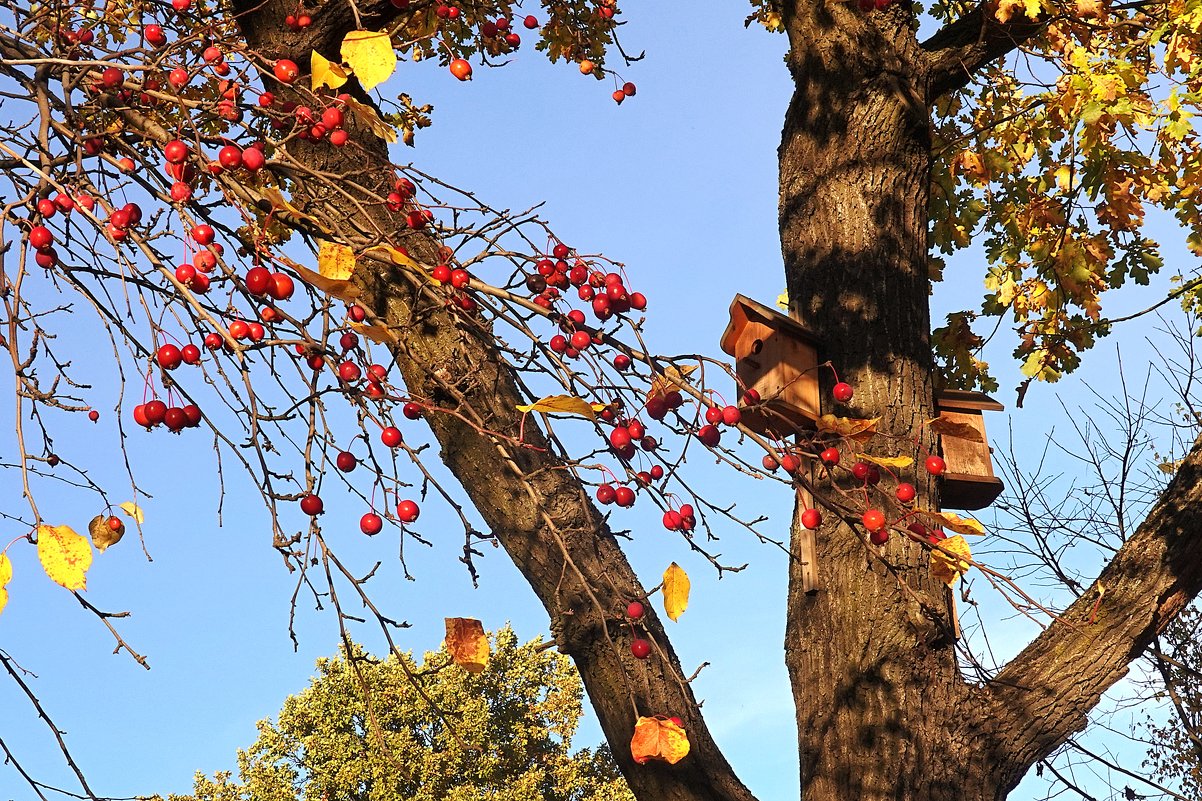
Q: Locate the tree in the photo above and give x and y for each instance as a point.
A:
(891, 146)
(362, 731)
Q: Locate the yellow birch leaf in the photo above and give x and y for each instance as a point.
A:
(377, 333)
(946, 427)
(103, 535)
(6, 575)
(564, 404)
(658, 739)
(335, 261)
(467, 643)
(370, 55)
(947, 568)
(676, 591)
(133, 510)
(891, 462)
(368, 117)
(849, 427)
(65, 556)
(325, 72)
(960, 525)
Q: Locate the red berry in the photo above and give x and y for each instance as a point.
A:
(371, 524)
(879, 537)
(349, 372)
(203, 234)
(622, 361)
(411, 410)
(40, 237)
(407, 511)
(873, 519)
(286, 71)
(842, 392)
(93, 415)
(935, 465)
(258, 280)
(709, 435)
(311, 505)
(860, 471)
(169, 357)
(628, 89)
(192, 413)
(731, 415)
(640, 648)
(905, 492)
(391, 436)
(624, 497)
(175, 419)
(811, 518)
(346, 461)
(155, 411)
(175, 151)
(672, 520)
(230, 157)
(461, 69)
(530, 22)
(111, 77)
(790, 462)
(713, 415)
(830, 456)
(635, 610)
(47, 207)
(605, 494)
(751, 397)
(213, 341)
(253, 159)
(769, 462)
(282, 286)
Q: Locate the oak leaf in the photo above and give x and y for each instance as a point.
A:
(65, 556)
(467, 643)
(370, 55)
(676, 591)
(948, 568)
(658, 739)
(564, 404)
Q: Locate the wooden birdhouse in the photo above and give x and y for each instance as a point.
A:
(969, 482)
(776, 356)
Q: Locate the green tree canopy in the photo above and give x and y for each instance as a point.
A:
(362, 731)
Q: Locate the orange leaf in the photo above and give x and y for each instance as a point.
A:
(676, 591)
(658, 739)
(467, 643)
(849, 427)
(65, 556)
(377, 333)
(945, 427)
(946, 568)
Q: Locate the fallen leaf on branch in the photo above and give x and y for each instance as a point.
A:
(564, 404)
(325, 72)
(467, 643)
(891, 462)
(104, 535)
(948, 569)
(658, 739)
(377, 333)
(676, 591)
(65, 556)
(370, 55)
(848, 427)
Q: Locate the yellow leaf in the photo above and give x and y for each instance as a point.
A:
(782, 300)
(961, 525)
(947, 568)
(103, 535)
(850, 427)
(335, 261)
(377, 333)
(891, 462)
(676, 591)
(467, 643)
(65, 556)
(394, 255)
(325, 72)
(133, 510)
(658, 739)
(946, 427)
(368, 116)
(278, 201)
(370, 55)
(6, 575)
(564, 404)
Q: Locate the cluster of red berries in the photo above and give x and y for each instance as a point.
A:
(175, 418)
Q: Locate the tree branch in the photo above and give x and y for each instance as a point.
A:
(957, 51)
(1045, 694)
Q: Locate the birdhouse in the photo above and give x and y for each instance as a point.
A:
(969, 482)
(776, 356)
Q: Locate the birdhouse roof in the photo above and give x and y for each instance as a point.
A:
(962, 399)
(744, 310)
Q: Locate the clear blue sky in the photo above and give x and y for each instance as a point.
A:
(679, 183)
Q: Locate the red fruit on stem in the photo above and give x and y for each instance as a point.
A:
(905, 492)
(282, 286)
(175, 419)
(408, 511)
(391, 436)
(350, 372)
(605, 494)
(709, 435)
(624, 497)
(873, 519)
(811, 518)
(769, 462)
(286, 71)
(346, 461)
(842, 392)
(371, 524)
(230, 157)
(461, 69)
(203, 234)
(830, 456)
(640, 648)
(169, 357)
(175, 151)
(190, 354)
(530, 22)
(790, 462)
(253, 159)
(411, 410)
(935, 465)
(312, 505)
(879, 537)
(635, 610)
(155, 411)
(713, 415)
(93, 415)
(258, 280)
(40, 237)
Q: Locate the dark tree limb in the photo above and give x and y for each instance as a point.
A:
(961, 48)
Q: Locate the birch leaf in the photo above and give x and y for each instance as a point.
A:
(65, 556)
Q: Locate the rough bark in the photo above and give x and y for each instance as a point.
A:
(525, 493)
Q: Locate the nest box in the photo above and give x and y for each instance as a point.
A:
(969, 482)
(776, 356)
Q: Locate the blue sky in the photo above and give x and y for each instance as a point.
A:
(679, 183)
